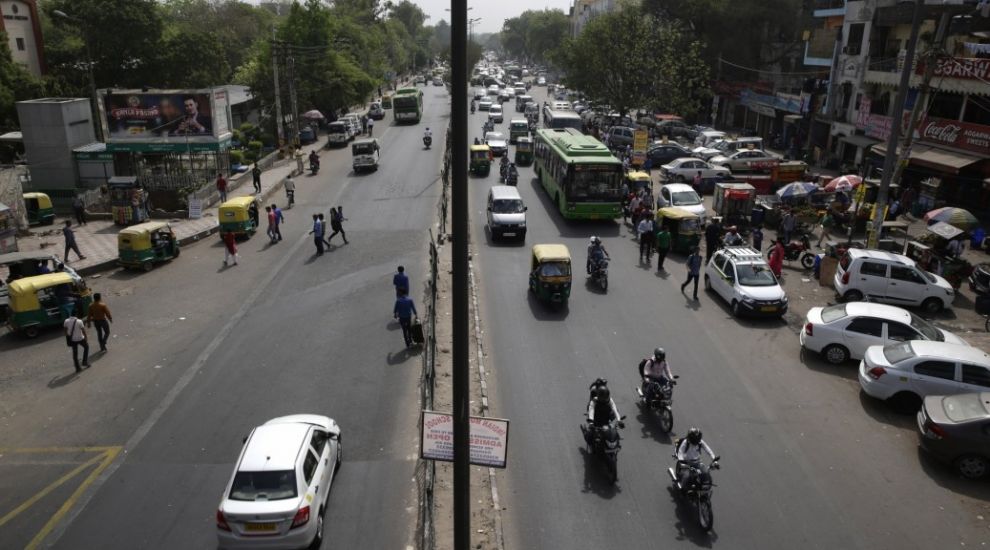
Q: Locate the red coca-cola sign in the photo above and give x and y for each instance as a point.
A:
(955, 134)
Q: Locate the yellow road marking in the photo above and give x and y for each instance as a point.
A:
(105, 457)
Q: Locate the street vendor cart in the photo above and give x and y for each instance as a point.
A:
(734, 202)
(128, 200)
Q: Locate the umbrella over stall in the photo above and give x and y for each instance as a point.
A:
(843, 183)
(313, 115)
(956, 217)
(798, 189)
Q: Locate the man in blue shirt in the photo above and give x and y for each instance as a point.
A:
(279, 218)
(317, 233)
(401, 282)
(694, 270)
(404, 311)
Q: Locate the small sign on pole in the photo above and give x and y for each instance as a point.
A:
(195, 207)
(489, 439)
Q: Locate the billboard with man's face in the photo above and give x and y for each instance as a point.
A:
(163, 116)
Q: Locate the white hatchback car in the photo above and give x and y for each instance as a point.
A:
(683, 196)
(277, 496)
(743, 279)
(887, 277)
(844, 331)
(904, 374)
(685, 169)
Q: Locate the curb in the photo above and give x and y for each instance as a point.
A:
(109, 264)
(499, 541)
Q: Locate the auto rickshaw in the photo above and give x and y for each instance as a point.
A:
(524, 151)
(481, 160)
(550, 273)
(239, 216)
(684, 228)
(638, 180)
(146, 244)
(387, 101)
(39, 209)
(46, 300)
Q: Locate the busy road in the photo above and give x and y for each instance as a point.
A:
(808, 461)
(202, 354)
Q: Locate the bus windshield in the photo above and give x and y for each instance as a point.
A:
(590, 182)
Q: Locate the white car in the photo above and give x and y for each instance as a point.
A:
(493, 90)
(484, 104)
(844, 331)
(497, 142)
(743, 279)
(904, 374)
(479, 93)
(277, 496)
(746, 160)
(683, 196)
(888, 277)
(495, 114)
(707, 137)
(685, 169)
(541, 81)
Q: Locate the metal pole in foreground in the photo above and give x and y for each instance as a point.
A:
(460, 320)
(278, 100)
(895, 128)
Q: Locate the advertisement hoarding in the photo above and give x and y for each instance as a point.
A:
(165, 116)
(489, 439)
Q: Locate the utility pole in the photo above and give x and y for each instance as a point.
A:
(919, 105)
(291, 62)
(278, 99)
(895, 128)
(460, 319)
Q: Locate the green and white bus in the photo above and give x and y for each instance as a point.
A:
(579, 173)
(407, 104)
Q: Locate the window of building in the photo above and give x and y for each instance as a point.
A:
(977, 110)
(880, 105)
(854, 44)
(20, 44)
(946, 105)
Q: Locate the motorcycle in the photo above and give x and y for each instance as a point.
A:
(660, 398)
(699, 488)
(290, 195)
(599, 273)
(604, 441)
(798, 249)
(427, 141)
(314, 167)
(512, 175)
(472, 108)
(503, 169)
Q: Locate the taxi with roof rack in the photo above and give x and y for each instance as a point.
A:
(741, 276)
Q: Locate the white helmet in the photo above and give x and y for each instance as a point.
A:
(595, 240)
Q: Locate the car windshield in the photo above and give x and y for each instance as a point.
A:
(929, 276)
(494, 136)
(898, 352)
(685, 198)
(833, 313)
(927, 329)
(965, 406)
(755, 275)
(722, 145)
(496, 108)
(261, 486)
(507, 206)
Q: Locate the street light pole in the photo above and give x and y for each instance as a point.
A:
(95, 107)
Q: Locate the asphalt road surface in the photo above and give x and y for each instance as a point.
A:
(807, 460)
(202, 354)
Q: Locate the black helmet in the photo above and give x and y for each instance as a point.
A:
(659, 354)
(603, 394)
(694, 436)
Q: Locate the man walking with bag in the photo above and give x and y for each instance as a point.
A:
(404, 311)
(75, 337)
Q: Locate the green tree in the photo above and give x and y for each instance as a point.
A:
(16, 84)
(182, 45)
(534, 33)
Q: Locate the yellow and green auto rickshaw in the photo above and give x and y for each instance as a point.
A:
(39, 209)
(550, 273)
(481, 160)
(145, 244)
(46, 300)
(637, 180)
(239, 216)
(684, 228)
(524, 151)
(387, 101)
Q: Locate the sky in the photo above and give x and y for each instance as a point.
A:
(491, 12)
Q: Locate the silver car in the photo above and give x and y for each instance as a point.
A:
(747, 160)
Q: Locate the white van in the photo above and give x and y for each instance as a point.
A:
(338, 133)
(506, 212)
(887, 277)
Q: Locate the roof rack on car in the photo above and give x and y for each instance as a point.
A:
(743, 253)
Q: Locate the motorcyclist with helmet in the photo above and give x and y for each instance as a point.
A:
(314, 161)
(596, 253)
(688, 453)
(655, 369)
(601, 407)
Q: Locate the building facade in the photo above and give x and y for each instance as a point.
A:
(19, 20)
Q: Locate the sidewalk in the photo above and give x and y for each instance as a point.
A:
(97, 239)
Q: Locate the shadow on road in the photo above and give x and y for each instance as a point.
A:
(506, 242)
(63, 380)
(545, 311)
(397, 358)
(578, 229)
(12, 341)
(595, 477)
(649, 425)
(687, 520)
(393, 325)
(848, 370)
(125, 274)
(946, 477)
(881, 411)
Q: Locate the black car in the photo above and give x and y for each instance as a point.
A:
(663, 153)
(979, 280)
(954, 430)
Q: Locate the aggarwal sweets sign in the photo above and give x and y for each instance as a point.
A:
(955, 134)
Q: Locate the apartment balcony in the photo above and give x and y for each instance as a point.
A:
(828, 8)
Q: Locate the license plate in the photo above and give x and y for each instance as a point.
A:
(768, 308)
(260, 527)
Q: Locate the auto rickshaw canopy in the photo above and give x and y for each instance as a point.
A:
(24, 292)
(44, 201)
(236, 209)
(484, 149)
(551, 253)
(138, 237)
(676, 213)
(364, 147)
(524, 144)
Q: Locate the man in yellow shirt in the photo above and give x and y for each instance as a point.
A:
(99, 315)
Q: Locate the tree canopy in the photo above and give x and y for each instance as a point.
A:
(533, 34)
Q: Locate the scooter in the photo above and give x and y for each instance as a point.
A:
(699, 488)
(427, 141)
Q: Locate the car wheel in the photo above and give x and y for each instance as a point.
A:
(708, 283)
(932, 306)
(736, 308)
(30, 332)
(147, 266)
(852, 296)
(905, 403)
(972, 466)
(318, 538)
(835, 354)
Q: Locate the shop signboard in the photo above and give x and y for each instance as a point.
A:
(955, 134)
(165, 116)
(969, 68)
(489, 439)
